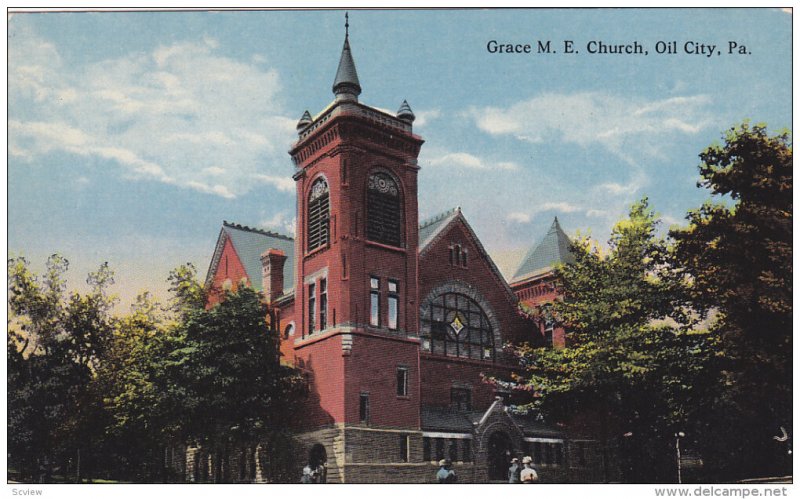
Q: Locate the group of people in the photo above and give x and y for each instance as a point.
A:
(314, 474)
(525, 473)
(522, 474)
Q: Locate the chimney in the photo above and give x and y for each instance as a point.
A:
(272, 262)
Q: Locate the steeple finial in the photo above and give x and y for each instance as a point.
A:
(346, 86)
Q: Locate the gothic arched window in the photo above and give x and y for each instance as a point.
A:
(456, 326)
(384, 210)
(318, 214)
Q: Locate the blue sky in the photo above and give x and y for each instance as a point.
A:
(131, 136)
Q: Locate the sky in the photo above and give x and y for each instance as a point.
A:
(133, 135)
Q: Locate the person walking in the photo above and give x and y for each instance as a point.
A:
(528, 473)
(514, 471)
(445, 473)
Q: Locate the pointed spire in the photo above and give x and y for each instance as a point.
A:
(555, 226)
(405, 113)
(305, 120)
(345, 85)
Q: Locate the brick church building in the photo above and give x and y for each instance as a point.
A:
(397, 323)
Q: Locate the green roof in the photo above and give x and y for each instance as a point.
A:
(250, 243)
(429, 228)
(551, 251)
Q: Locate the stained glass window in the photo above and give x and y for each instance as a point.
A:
(455, 325)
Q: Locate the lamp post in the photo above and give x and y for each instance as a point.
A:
(678, 437)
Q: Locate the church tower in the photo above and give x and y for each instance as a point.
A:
(356, 306)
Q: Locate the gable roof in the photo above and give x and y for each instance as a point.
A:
(433, 230)
(429, 229)
(249, 243)
(552, 250)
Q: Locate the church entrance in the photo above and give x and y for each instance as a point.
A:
(499, 456)
(318, 461)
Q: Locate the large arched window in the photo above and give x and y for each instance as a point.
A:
(318, 214)
(455, 325)
(384, 210)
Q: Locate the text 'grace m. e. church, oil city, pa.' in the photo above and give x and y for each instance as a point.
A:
(396, 323)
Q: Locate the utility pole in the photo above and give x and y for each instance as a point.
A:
(678, 437)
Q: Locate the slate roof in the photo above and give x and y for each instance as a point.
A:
(249, 244)
(551, 251)
(448, 420)
(445, 419)
(428, 229)
(346, 75)
(530, 426)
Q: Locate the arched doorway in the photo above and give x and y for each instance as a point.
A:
(499, 455)
(318, 461)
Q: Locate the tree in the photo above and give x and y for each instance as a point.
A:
(54, 342)
(738, 253)
(633, 358)
(237, 392)
(138, 383)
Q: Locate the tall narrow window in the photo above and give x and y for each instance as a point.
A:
(318, 214)
(466, 451)
(363, 408)
(393, 302)
(426, 448)
(452, 451)
(312, 301)
(374, 301)
(439, 449)
(403, 448)
(384, 213)
(402, 381)
(323, 304)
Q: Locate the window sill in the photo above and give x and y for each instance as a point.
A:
(404, 397)
(396, 249)
(319, 249)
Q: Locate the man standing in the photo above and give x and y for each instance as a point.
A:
(514, 471)
(528, 474)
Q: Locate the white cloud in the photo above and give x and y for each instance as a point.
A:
(559, 206)
(596, 213)
(470, 161)
(518, 216)
(182, 114)
(285, 184)
(631, 128)
(425, 117)
(281, 223)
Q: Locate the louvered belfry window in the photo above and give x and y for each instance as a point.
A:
(318, 214)
(384, 214)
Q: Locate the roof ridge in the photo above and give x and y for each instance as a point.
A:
(439, 217)
(225, 223)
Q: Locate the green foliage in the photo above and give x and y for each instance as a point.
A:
(632, 358)
(53, 343)
(89, 392)
(738, 253)
(236, 391)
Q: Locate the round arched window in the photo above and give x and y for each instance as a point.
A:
(318, 214)
(455, 325)
(289, 331)
(384, 210)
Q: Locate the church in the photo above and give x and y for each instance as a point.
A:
(397, 323)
